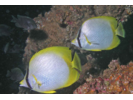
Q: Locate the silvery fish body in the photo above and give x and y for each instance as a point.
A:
(51, 69)
(51, 75)
(101, 32)
(97, 34)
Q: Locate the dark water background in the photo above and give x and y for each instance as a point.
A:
(11, 60)
(8, 60)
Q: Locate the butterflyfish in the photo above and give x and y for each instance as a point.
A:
(51, 69)
(99, 33)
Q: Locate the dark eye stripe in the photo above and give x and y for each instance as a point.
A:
(27, 81)
(78, 38)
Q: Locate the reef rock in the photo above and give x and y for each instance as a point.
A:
(61, 25)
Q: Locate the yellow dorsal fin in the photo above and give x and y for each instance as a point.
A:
(110, 19)
(39, 83)
(120, 30)
(49, 92)
(87, 40)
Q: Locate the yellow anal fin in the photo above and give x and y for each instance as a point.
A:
(87, 40)
(39, 83)
(115, 43)
(96, 50)
(50, 92)
(120, 31)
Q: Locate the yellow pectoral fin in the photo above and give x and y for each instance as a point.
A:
(39, 83)
(49, 92)
(87, 40)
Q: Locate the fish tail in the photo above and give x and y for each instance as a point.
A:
(120, 30)
(13, 19)
(76, 59)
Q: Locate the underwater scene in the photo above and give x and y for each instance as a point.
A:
(66, 49)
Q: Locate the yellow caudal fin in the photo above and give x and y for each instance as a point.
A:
(120, 30)
(49, 92)
(76, 62)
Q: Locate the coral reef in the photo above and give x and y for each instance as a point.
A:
(61, 25)
(88, 68)
(116, 79)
